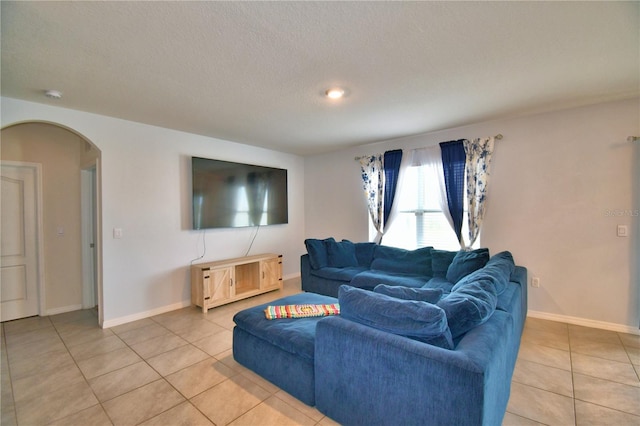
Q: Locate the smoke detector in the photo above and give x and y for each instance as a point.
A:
(53, 94)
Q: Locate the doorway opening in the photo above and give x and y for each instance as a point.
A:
(69, 246)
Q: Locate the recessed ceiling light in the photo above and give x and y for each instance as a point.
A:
(53, 94)
(335, 93)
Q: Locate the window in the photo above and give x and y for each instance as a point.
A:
(420, 221)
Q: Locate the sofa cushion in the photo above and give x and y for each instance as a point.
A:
(504, 259)
(502, 265)
(370, 279)
(440, 261)
(430, 295)
(364, 253)
(342, 254)
(498, 270)
(393, 259)
(317, 250)
(509, 298)
(441, 283)
(294, 335)
(339, 274)
(469, 306)
(413, 319)
(466, 262)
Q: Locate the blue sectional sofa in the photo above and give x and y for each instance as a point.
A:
(329, 264)
(409, 347)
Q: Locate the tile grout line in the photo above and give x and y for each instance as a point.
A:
(6, 350)
(164, 378)
(573, 382)
(81, 372)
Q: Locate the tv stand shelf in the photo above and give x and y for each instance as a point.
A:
(225, 281)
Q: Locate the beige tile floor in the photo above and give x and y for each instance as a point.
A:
(177, 369)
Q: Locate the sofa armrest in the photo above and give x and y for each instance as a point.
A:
(305, 263)
(520, 276)
(366, 376)
(305, 270)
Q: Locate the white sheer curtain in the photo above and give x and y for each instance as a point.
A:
(431, 158)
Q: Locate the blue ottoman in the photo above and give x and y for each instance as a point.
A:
(280, 350)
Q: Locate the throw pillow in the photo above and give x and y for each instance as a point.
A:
(466, 262)
(469, 306)
(440, 261)
(430, 295)
(341, 255)
(413, 319)
(317, 250)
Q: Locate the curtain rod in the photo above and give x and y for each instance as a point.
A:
(496, 137)
(633, 139)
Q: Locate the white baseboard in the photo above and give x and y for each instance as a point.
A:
(620, 328)
(291, 276)
(142, 315)
(62, 310)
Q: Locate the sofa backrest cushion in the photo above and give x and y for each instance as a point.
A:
(469, 306)
(440, 261)
(364, 253)
(393, 259)
(317, 250)
(466, 262)
(342, 254)
(431, 295)
(504, 261)
(413, 319)
(498, 270)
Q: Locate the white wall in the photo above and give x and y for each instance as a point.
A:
(556, 178)
(146, 192)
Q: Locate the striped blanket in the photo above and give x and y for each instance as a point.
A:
(301, 311)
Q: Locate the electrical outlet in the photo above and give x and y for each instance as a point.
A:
(535, 282)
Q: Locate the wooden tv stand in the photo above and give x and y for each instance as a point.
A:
(225, 281)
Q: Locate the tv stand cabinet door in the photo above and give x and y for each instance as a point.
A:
(219, 286)
(271, 273)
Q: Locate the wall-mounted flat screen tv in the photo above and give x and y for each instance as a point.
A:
(229, 195)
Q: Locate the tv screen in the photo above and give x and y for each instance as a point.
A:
(229, 195)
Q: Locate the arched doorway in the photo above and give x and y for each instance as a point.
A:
(67, 211)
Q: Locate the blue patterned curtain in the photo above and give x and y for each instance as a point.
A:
(453, 163)
(373, 184)
(478, 154)
(391, 165)
(380, 177)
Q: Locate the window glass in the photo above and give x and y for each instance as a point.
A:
(420, 221)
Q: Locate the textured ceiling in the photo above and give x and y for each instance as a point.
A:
(255, 72)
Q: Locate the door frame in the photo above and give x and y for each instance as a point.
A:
(88, 232)
(37, 169)
(92, 225)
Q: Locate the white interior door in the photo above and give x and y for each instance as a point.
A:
(19, 279)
